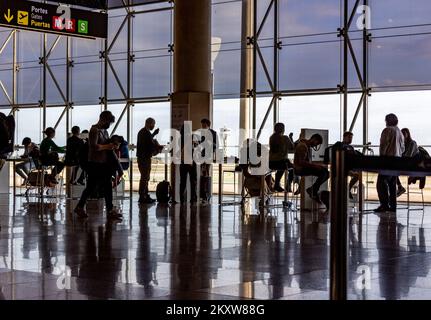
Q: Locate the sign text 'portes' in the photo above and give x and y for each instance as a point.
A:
(60, 19)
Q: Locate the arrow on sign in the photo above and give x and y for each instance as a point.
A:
(8, 17)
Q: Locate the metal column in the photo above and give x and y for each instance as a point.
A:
(339, 222)
(345, 64)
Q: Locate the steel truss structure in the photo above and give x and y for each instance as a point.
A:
(272, 78)
(349, 13)
(65, 90)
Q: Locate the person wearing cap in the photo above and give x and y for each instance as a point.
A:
(391, 145)
(100, 153)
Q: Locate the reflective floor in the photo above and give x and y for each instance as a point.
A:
(162, 252)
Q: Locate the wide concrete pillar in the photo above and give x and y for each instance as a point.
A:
(246, 69)
(192, 61)
(192, 96)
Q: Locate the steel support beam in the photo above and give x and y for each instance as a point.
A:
(272, 79)
(339, 222)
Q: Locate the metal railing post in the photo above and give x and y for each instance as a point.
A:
(339, 230)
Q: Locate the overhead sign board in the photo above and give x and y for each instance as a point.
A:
(59, 19)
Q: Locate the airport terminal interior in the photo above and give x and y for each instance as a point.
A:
(331, 95)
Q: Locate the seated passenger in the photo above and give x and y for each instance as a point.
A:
(49, 152)
(346, 145)
(31, 156)
(305, 167)
(279, 146)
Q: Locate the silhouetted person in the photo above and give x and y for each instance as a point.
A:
(31, 155)
(49, 152)
(187, 170)
(100, 166)
(279, 147)
(392, 145)
(73, 147)
(411, 151)
(346, 145)
(147, 148)
(305, 167)
(205, 168)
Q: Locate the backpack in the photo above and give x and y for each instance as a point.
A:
(424, 154)
(163, 192)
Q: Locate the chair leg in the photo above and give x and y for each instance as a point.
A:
(423, 207)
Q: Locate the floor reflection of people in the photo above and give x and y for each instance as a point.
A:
(2, 296)
(192, 250)
(146, 260)
(417, 263)
(101, 264)
(258, 232)
(388, 236)
(47, 240)
(311, 262)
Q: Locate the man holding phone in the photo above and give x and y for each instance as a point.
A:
(147, 147)
(100, 166)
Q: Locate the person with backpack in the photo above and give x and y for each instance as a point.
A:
(423, 155)
(147, 147)
(122, 151)
(411, 151)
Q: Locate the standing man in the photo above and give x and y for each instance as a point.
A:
(391, 145)
(147, 147)
(206, 125)
(100, 164)
(73, 146)
(205, 168)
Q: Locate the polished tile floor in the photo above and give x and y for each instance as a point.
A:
(162, 252)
